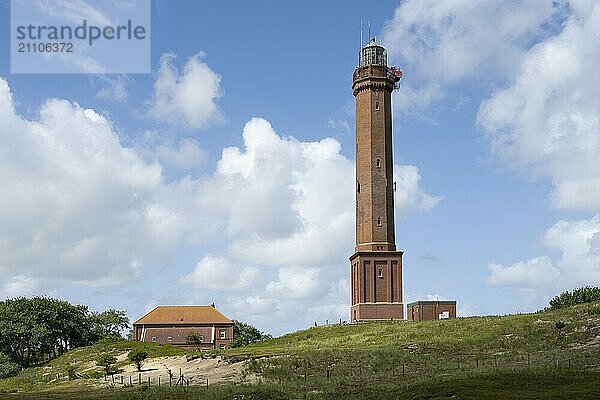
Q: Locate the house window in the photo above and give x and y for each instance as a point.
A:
(202, 338)
(222, 334)
(154, 338)
(380, 273)
(222, 347)
(169, 338)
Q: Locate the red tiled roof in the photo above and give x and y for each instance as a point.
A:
(183, 315)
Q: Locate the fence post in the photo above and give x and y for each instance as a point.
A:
(121, 379)
(477, 360)
(139, 378)
(113, 379)
(207, 383)
(403, 369)
(130, 384)
(159, 380)
(148, 381)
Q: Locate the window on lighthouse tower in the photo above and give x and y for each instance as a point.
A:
(378, 221)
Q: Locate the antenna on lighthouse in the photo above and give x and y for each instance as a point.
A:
(361, 35)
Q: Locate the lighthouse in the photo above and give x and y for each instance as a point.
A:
(376, 265)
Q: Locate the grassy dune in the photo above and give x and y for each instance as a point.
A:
(513, 333)
(546, 355)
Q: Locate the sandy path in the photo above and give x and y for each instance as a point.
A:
(196, 371)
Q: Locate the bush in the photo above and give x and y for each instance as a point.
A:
(137, 357)
(7, 367)
(70, 370)
(560, 324)
(106, 361)
(582, 295)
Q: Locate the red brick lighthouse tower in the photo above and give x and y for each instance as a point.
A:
(376, 265)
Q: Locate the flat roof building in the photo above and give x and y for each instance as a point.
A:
(430, 310)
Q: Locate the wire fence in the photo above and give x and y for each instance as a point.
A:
(315, 370)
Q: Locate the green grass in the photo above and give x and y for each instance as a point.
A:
(53, 376)
(536, 384)
(546, 355)
(483, 335)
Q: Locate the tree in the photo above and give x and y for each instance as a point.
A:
(7, 367)
(244, 334)
(194, 339)
(137, 357)
(582, 295)
(108, 323)
(39, 329)
(106, 361)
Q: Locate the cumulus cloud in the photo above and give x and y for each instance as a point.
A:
(183, 154)
(410, 197)
(547, 119)
(536, 272)
(434, 42)
(540, 110)
(20, 285)
(187, 99)
(114, 88)
(541, 277)
(218, 273)
(288, 207)
(295, 283)
(79, 207)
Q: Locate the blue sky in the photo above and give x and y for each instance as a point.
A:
(225, 175)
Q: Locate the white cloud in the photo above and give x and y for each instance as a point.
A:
(543, 115)
(74, 12)
(295, 283)
(540, 278)
(114, 87)
(410, 197)
(288, 207)
(79, 207)
(189, 98)
(538, 271)
(20, 285)
(186, 155)
(75, 206)
(438, 43)
(214, 272)
(579, 243)
(548, 118)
